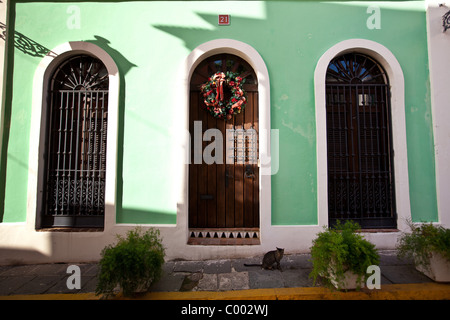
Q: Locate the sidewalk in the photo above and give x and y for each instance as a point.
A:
(223, 279)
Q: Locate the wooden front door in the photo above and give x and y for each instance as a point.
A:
(224, 195)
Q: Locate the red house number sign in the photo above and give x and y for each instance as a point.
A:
(224, 19)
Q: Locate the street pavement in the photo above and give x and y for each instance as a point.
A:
(215, 279)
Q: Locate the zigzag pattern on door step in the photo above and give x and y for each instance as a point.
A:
(224, 233)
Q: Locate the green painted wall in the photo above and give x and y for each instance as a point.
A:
(150, 40)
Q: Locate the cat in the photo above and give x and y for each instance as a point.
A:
(269, 259)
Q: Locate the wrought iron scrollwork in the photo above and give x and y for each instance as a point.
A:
(3, 31)
(360, 154)
(76, 154)
(446, 21)
(27, 45)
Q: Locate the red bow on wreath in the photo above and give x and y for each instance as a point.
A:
(214, 97)
(219, 78)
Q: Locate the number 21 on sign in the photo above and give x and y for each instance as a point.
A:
(224, 19)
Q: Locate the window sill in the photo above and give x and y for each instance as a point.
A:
(66, 229)
(377, 230)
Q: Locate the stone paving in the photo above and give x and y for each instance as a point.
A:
(212, 275)
(44, 278)
(223, 275)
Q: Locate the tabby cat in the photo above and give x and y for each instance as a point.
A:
(269, 259)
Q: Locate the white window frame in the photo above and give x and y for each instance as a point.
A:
(396, 80)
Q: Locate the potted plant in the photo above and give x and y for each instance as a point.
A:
(340, 256)
(429, 246)
(133, 263)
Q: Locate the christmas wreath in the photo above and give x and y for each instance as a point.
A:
(214, 98)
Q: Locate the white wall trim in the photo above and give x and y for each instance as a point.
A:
(439, 62)
(394, 71)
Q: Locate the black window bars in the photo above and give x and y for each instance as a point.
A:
(359, 143)
(74, 191)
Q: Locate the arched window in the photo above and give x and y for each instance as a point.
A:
(74, 183)
(359, 142)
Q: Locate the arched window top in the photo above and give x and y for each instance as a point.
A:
(223, 63)
(80, 72)
(355, 68)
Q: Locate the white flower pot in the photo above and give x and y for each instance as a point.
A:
(350, 281)
(438, 270)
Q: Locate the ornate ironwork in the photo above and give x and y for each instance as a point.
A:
(76, 154)
(446, 21)
(65, 195)
(81, 73)
(27, 45)
(243, 145)
(355, 68)
(360, 156)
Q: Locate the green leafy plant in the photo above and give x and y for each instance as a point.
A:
(422, 241)
(134, 262)
(340, 249)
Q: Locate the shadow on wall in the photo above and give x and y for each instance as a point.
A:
(123, 63)
(27, 45)
(12, 256)
(124, 66)
(32, 48)
(193, 36)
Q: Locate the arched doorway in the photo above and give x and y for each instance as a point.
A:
(359, 142)
(224, 195)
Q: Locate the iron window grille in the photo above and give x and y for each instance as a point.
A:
(359, 143)
(76, 144)
(243, 145)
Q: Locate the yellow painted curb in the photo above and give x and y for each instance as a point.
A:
(252, 294)
(419, 291)
(55, 296)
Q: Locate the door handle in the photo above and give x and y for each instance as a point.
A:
(249, 172)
